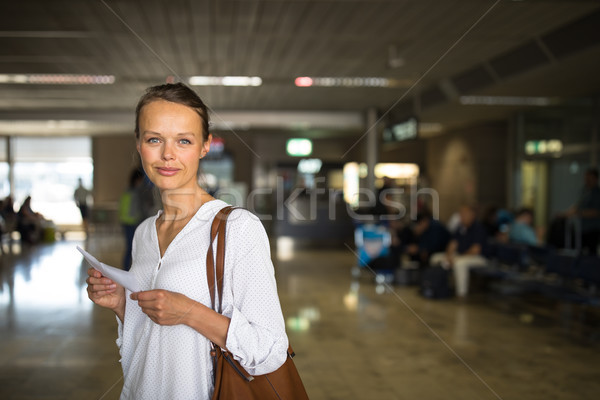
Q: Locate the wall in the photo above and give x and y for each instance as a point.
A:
(413, 151)
(241, 147)
(469, 166)
(114, 158)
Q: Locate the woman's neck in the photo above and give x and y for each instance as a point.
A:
(182, 204)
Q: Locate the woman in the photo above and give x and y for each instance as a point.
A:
(165, 330)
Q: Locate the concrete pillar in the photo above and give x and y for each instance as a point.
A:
(11, 165)
(518, 145)
(594, 139)
(372, 148)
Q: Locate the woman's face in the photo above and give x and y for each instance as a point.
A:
(170, 144)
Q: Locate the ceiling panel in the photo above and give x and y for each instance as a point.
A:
(142, 42)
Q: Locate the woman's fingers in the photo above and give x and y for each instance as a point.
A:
(95, 278)
(101, 293)
(98, 285)
(94, 273)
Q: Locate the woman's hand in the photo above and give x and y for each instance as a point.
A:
(105, 292)
(165, 307)
(171, 308)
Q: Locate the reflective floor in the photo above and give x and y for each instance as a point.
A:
(353, 340)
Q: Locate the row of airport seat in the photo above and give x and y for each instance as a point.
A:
(561, 274)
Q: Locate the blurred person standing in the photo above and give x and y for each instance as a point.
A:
(81, 197)
(587, 209)
(130, 212)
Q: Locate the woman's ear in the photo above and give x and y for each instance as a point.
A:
(206, 146)
(137, 144)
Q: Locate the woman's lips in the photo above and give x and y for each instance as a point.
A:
(167, 171)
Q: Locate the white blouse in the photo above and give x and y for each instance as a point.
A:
(173, 362)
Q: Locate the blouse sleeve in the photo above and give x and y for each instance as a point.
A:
(119, 333)
(256, 335)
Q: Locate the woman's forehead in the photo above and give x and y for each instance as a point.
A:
(167, 115)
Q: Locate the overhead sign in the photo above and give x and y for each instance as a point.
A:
(299, 147)
(401, 131)
(543, 146)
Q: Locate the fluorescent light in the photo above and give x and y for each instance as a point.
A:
(306, 81)
(310, 166)
(303, 81)
(242, 81)
(396, 170)
(225, 80)
(506, 101)
(43, 126)
(57, 79)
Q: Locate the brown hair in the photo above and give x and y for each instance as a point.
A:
(175, 93)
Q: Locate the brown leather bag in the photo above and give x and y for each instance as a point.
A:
(231, 379)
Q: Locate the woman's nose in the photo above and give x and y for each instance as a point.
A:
(168, 153)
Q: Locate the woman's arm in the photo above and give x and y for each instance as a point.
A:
(256, 334)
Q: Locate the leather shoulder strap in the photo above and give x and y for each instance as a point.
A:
(213, 274)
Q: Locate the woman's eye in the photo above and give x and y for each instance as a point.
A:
(153, 140)
(185, 141)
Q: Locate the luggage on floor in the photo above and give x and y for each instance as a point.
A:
(373, 249)
(407, 276)
(435, 283)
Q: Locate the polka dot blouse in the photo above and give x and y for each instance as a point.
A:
(173, 362)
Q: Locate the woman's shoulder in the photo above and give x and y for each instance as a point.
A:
(242, 218)
(146, 225)
(241, 223)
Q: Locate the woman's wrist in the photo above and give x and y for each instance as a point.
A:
(194, 314)
(207, 322)
(120, 311)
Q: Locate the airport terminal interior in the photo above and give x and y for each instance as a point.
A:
(426, 173)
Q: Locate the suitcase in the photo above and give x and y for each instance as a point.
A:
(407, 276)
(435, 283)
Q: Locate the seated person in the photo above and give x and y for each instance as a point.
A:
(429, 237)
(8, 214)
(29, 223)
(401, 235)
(521, 230)
(465, 250)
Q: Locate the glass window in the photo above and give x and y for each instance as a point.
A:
(48, 169)
(4, 182)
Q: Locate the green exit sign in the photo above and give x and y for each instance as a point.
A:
(299, 147)
(543, 146)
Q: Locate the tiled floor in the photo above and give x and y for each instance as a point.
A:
(352, 340)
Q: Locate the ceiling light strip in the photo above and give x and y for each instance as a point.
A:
(225, 81)
(352, 82)
(57, 79)
(507, 101)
